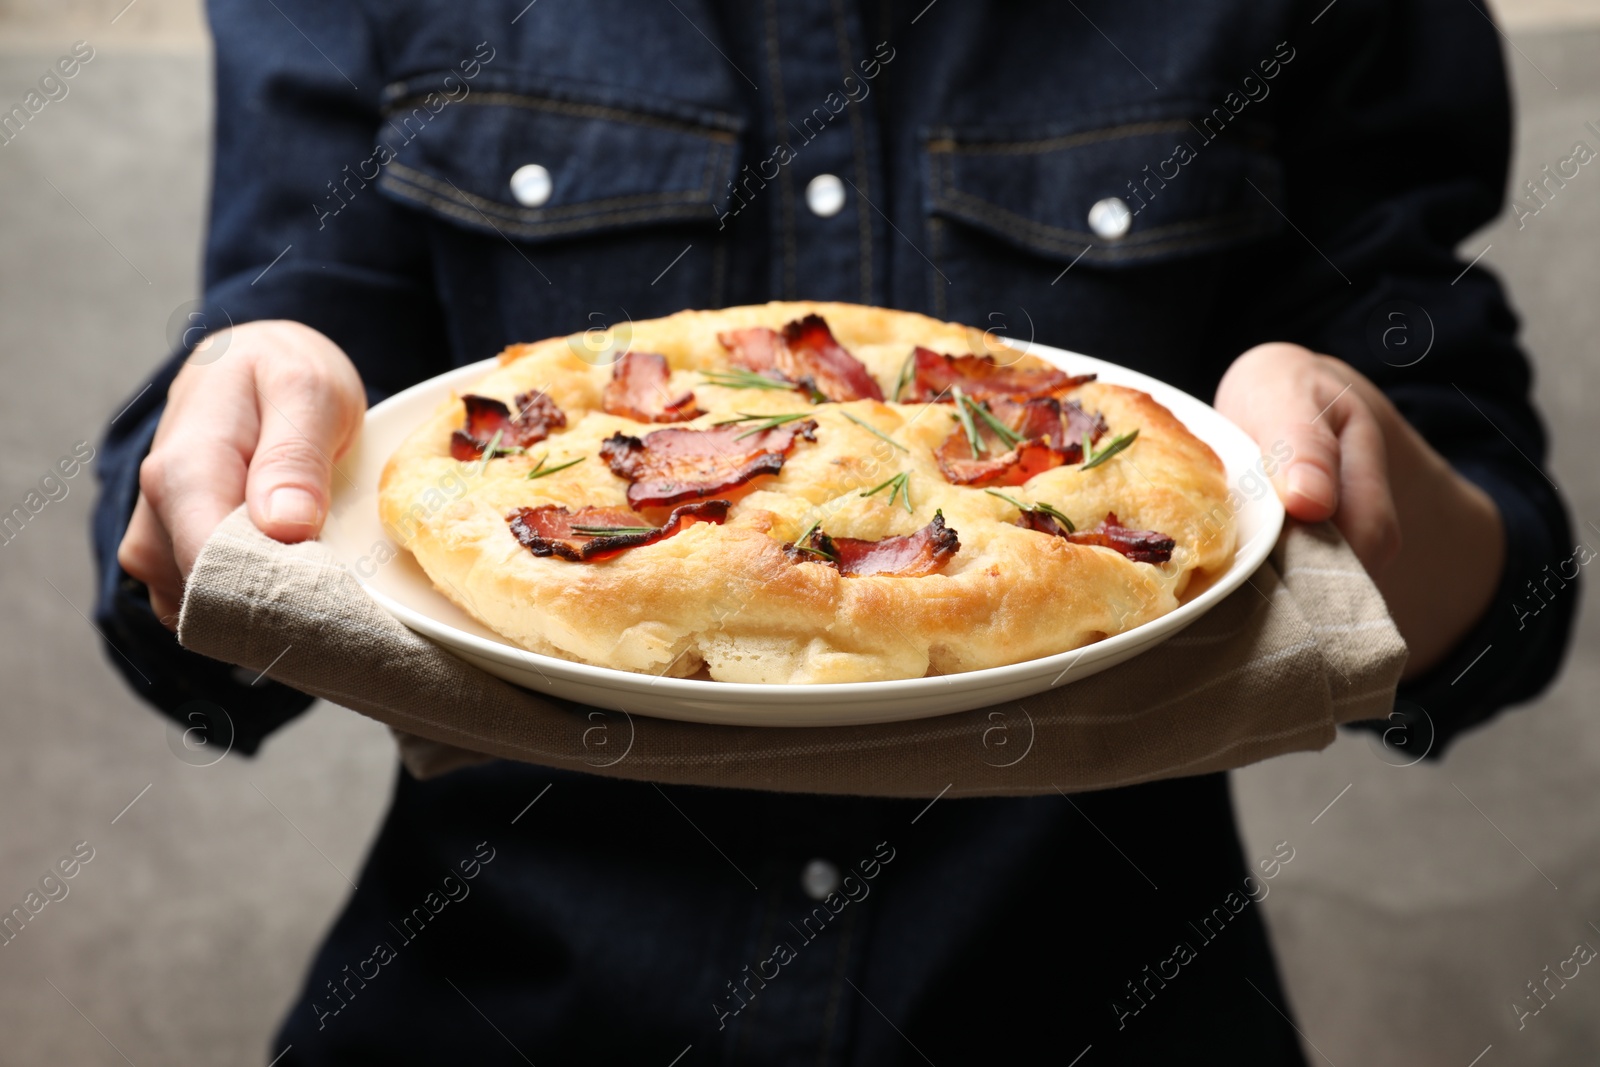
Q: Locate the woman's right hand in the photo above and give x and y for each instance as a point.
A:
(262, 424)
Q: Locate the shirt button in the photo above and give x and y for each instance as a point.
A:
(531, 185)
(819, 879)
(1110, 218)
(825, 196)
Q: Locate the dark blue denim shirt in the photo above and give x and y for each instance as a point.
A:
(1292, 171)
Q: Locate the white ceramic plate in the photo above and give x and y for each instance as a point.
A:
(399, 585)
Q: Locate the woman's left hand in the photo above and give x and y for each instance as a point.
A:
(1431, 540)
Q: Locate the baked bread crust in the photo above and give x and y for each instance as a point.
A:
(726, 600)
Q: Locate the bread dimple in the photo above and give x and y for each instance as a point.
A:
(726, 599)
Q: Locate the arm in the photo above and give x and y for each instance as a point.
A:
(1395, 139)
(281, 399)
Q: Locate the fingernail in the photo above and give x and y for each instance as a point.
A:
(1311, 484)
(292, 507)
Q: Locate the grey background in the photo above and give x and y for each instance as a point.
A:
(1414, 911)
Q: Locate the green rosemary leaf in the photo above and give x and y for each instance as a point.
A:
(964, 417)
(874, 431)
(762, 423)
(742, 378)
(1006, 433)
(1013, 501)
(1117, 445)
(823, 553)
(488, 452)
(540, 470)
(1039, 507)
(903, 379)
(899, 485)
(611, 531)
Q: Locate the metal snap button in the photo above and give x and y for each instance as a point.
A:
(1110, 218)
(819, 878)
(825, 196)
(531, 185)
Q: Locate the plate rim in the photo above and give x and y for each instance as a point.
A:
(1248, 558)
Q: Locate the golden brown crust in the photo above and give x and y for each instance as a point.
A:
(727, 600)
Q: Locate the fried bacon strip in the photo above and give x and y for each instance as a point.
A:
(552, 530)
(536, 416)
(677, 464)
(1013, 466)
(1052, 435)
(912, 556)
(806, 354)
(934, 377)
(638, 390)
(1141, 546)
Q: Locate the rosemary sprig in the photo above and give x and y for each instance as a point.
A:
(874, 431)
(540, 470)
(611, 531)
(1117, 444)
(901, 484)
(964, 416)
(743, 378)
(488, 452)
(762, 423)
(1037, 506)
(903, 379)
(824, 553)
(1005, 433)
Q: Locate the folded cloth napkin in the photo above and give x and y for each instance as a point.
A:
(1305, 644)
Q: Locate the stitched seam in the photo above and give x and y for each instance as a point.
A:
(424, 187)
(593, 111)
(426, 180)
(769, 922)
(1157, 239)
(858, 149)
(836, 989)
(993, 213)
(549, 229)
(780, 119)
(948, 145)
(705, 180)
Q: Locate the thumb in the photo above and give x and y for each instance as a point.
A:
(1308, 484)
(302, 430)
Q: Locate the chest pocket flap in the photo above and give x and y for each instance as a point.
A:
(541, 164)
(1164, 190)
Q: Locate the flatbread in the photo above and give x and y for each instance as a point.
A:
(728, 601)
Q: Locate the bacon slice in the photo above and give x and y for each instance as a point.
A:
(994, 467)
(806, 354)
(536, 416)
(1141, 546)
(755, 348)
(934, 377)
(669, 466)
(1078, 422)
(638, 390)
(1052, 433)
(548, 530)
(913, 556)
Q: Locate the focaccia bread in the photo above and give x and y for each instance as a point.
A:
(720, 494)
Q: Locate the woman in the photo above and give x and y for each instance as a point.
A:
(1257, 201)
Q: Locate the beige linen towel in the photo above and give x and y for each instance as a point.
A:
(1305, 644)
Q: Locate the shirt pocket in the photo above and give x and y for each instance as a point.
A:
(552, 212)
(1015, 231)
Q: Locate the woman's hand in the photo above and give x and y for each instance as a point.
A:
(1430, 539)
(262, 423)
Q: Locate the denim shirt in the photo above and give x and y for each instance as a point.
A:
(1161, 184)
